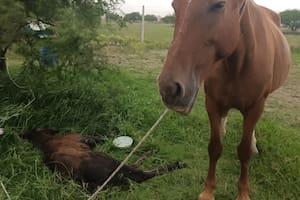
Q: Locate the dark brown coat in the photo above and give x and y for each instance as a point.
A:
(72, 155)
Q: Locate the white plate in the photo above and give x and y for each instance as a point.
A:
(123, 141)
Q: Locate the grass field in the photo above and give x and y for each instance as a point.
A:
(153, 32)
(123, 100)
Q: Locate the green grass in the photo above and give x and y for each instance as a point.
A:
(153, 32)
(294, 41)
(125, 101)
(157, 36)
(128, 103)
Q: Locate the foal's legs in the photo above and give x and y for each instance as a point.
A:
(215, 114)
(139, 176)
(143, 157)
(247, 147)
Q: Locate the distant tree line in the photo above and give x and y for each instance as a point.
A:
(136, 17)
(169, 19)
(289, 18)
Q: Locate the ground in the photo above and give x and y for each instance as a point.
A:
(284, 103)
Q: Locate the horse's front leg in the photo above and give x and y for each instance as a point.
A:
(216, 116)
(247, 147)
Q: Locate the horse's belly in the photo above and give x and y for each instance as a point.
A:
(282, 64)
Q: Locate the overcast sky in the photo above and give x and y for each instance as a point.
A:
(163, 7)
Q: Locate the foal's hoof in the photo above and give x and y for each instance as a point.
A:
(181, 165)
(206, 196)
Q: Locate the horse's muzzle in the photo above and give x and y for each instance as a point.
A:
(178, 97)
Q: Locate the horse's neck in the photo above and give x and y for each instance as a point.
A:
(246, 47)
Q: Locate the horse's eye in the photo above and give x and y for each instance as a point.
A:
(219, 6)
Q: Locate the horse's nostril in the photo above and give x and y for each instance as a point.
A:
(172, 92)
(178, 91)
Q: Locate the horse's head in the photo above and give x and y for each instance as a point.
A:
(206, 31)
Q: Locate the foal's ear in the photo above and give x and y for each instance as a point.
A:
(31, 134)
(50, 131)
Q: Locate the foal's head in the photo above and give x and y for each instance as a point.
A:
(206, 31)
(38, 132)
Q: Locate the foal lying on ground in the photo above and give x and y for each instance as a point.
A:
(72, 155)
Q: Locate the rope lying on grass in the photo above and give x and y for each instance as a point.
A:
(3, 120)
(129, 155)
(5, 191)
(21, 87)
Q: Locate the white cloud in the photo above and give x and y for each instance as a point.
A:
(279, 5)
(163, 7)
(157, 7)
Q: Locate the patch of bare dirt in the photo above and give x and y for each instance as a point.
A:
(284, 103)
(143, 59)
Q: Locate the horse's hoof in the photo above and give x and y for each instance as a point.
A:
(206, 196)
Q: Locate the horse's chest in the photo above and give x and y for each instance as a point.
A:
(233, 94)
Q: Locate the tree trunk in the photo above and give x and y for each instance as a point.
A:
(2, 61)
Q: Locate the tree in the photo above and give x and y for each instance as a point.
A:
(110, 16)
(12, 19)
(169, 19)
(74, 22)
(291, 18)
(133, 17)
(151, 18)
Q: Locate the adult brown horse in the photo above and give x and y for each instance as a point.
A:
(236, 48)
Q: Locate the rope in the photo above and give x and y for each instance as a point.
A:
(5, 191)
(129, 155)
(21, 87)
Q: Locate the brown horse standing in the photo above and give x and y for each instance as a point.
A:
(237, 49)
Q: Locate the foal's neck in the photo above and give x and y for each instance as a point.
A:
(40, 140)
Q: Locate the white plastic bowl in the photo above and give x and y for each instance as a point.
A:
(123, 142)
